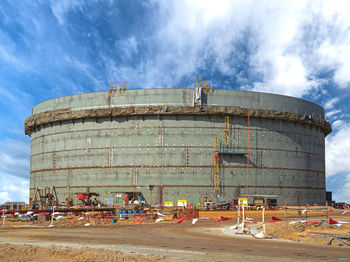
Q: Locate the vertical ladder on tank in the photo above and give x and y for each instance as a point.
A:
(220, 148)
(226, 145)
(216, 173)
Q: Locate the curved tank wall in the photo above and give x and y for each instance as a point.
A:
(126, 142)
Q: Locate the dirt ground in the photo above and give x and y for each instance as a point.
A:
(24, 253)
(307, 233)
(300, 231)
(92, 238)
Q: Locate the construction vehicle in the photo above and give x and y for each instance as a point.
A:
(44, 197)
(134, 198)
(243, 201)
(258, 201)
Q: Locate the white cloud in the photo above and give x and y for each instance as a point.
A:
(14, 158)
(288, 76)
(4, 196)
(145, 75)
(8, 53)
(343, 193)
(198, 31)
(337, 57)
(127, 47)
(60, 8)
(299, 41)
(87, 71)
(14, 170)
(15, 96)
(14, 189)
(331, 103)
(7, 94)
(333, 51)
(284, 45)
(16, 106)
(333, 113)
(338, 149)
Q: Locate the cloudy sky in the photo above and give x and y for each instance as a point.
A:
(54, 48)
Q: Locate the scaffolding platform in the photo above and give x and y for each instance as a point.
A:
(231, 153)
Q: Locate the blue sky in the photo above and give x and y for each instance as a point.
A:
(54, 48)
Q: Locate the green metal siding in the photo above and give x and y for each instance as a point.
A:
(175, 152)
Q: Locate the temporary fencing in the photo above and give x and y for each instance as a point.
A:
(305, 213)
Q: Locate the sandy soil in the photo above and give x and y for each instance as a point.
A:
(24, 253)
(308, 233)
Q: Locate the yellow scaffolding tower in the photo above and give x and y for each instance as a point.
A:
(217, 148)
(122, 86)
(227, 123)
(208, 86)
(113, 87)
(227, 140)
(216, 144)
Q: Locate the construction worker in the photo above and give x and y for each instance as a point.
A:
(50, 198)
(175, 216)
(69, 201)
(126, 199)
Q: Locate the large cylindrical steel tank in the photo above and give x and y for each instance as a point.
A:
(169, 145)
